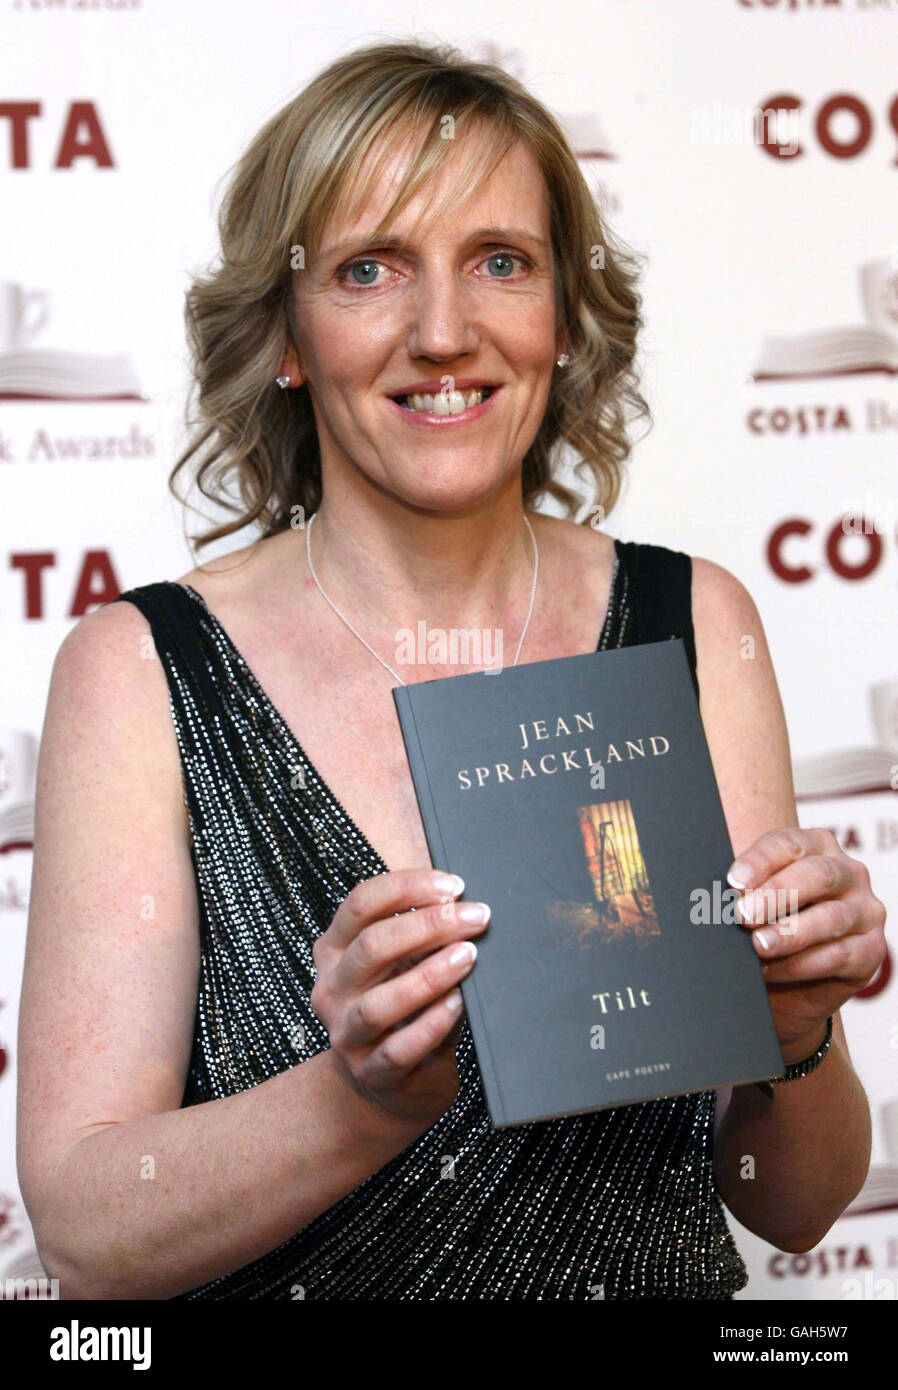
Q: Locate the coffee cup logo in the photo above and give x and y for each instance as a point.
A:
(23, 313)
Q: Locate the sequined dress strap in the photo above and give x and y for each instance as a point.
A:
(655, 599)
(171, 614)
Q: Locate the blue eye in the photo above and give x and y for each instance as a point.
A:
(503, 256)
(358, 265)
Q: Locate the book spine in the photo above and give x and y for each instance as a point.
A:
(430, 821)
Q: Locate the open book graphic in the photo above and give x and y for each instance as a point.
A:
(851, 770)
(880, 1189)
(48, 374)
(71, 376)
(847, 350)
(587, 138)
(18, 780)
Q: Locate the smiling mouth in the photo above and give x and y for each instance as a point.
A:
(445, 403)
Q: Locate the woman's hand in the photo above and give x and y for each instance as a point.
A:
(387, 989)
(816, 924)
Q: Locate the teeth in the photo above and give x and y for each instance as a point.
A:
(449, 403)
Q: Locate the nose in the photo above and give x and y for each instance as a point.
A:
(442, 317)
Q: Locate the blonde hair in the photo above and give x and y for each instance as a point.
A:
(301, 170)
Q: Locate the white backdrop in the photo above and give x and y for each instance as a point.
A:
(118, 124)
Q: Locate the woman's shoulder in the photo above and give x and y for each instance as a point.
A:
(103, 642)
(104, 684)
(716, 592)
(721, 603)
(723, 615)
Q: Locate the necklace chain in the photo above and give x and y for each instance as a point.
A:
(356, 633)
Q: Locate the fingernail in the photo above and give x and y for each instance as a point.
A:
(746, 907)
(473, 912)
(465, 951)
(740, 875)
(763, 939)
(454, 1002)
(448, 883)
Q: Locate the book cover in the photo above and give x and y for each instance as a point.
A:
(577, 797)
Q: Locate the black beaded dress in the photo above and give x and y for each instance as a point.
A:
(619, 1204)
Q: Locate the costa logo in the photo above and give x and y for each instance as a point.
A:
(823, 1261)
(826, 126)
(82, 135)
(877, 415)
(851, 555)
(96, 582)
(817, 419)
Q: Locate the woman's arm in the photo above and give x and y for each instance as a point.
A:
(812, 1148)
(129, 1195)
(811, 1144)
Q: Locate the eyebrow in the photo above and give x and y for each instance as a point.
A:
(395, 243)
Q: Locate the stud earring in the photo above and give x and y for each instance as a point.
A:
(563, 360)
(282, 381)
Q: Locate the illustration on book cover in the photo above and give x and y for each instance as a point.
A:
(623, 911)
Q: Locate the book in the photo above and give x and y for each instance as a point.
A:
(880, 1189)
(53, 374)
(846, 350)
(852, 771)
(18, 782)
(577, 797)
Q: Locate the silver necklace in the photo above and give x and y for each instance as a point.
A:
(395, 674)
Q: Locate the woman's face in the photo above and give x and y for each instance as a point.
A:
(469, 299)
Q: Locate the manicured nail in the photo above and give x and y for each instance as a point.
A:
(763, 939)
(454, 1002)
(448, 883)
(473, 912)
(740, 875)
(747, 904)
(466, 950)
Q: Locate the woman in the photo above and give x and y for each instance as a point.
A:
(244, 1071)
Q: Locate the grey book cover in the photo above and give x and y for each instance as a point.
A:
(577, 797)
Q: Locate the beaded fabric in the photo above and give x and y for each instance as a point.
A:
(619, 1203)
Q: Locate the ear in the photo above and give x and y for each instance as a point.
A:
(290, 366)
